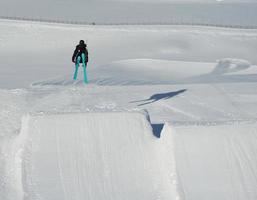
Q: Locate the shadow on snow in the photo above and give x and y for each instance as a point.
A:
(157, 97)
(157, 129)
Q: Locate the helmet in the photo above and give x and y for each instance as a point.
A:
(81, 42)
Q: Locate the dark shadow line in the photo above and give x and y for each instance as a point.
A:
(157, 97)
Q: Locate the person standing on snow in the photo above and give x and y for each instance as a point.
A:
(80, 56)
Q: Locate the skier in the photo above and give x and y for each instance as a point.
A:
(80, 56)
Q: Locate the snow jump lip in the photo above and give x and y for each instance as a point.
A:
(95, 156)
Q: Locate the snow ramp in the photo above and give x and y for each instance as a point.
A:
(95, 156)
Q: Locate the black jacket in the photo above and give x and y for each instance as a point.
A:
(81, 48)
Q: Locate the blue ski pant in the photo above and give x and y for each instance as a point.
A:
(78, 60)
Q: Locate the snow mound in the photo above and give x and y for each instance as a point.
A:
(137, 72)
(96, 156)
(217, 162)
(158, 72)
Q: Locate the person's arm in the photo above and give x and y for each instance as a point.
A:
(74, 54)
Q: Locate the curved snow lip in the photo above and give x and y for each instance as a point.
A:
(231, 65)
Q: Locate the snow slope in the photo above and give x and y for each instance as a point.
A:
(198, 85)
(95, 156)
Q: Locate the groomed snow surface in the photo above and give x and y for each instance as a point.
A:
(170, 113)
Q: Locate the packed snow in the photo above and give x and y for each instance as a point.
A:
(170, 112)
